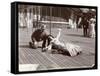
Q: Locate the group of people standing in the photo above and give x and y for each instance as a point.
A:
(88, 23)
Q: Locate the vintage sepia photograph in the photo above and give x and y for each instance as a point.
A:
(56, 37)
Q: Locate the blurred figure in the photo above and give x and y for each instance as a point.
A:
(85, 24)
(92, 22)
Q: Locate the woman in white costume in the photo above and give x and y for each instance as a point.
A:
(68, 48)
(92, 22)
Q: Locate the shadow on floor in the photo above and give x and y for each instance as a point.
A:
(24, 46)
(75, 35)
(27, 46)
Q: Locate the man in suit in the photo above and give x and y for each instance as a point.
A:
(39, 35)
(85, 24)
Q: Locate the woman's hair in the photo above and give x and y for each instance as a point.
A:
(50, 37)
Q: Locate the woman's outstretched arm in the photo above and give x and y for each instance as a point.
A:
(59, 33)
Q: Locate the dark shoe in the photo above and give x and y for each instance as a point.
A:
(31, 45)
(44, 49)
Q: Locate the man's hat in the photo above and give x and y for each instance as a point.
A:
(43, 26)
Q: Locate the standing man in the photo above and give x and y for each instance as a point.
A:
(85, 24)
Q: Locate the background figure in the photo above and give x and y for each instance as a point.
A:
(85, 24)
(79, 23)
(92, 27)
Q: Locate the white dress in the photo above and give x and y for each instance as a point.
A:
(72, 49)
(92, 28)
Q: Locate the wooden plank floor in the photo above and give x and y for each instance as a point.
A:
(48, 60)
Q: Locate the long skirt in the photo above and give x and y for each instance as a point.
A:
(69, 49)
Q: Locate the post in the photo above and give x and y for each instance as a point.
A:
(37, 13)
(50, 18)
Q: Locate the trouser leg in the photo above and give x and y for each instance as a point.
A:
(32, 44)
(84, 32)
